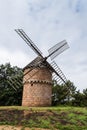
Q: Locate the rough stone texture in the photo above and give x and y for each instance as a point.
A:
(37, 89)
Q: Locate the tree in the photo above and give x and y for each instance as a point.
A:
(63, 94)
(71, 91)
(59, 94)
(78, 99)
(85, 96)
(10, 85)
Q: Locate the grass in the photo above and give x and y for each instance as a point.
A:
(61, 118)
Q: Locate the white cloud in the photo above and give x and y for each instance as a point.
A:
(47, 23)
(16, 58)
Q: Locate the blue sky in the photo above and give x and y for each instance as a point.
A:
(46, 22)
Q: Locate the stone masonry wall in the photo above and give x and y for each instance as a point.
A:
(37, 88)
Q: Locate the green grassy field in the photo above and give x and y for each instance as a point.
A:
(61, 118)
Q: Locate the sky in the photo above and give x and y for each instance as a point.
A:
(46, 22)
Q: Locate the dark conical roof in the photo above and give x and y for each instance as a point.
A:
(35, 63)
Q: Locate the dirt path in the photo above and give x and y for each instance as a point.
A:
(6, 127)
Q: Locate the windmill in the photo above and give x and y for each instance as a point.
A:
(37, 80)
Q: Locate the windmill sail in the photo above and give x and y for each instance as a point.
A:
(57, 49)
(29, 42)
(42, 61)
(58, 76)
(56, 72)
(15, 82)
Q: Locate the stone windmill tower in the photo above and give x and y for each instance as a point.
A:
(37, 80)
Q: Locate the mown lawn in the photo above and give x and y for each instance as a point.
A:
(61, 118)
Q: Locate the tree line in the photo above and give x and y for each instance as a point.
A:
(11, 88)
(67, 94)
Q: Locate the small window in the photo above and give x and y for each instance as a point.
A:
(31, 84)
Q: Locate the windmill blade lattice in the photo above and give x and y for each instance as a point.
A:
(29, 42)
(15, 82)
(10, 82)
(57, 49)
(59, 79)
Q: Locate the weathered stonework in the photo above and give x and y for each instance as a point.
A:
(37, 89)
